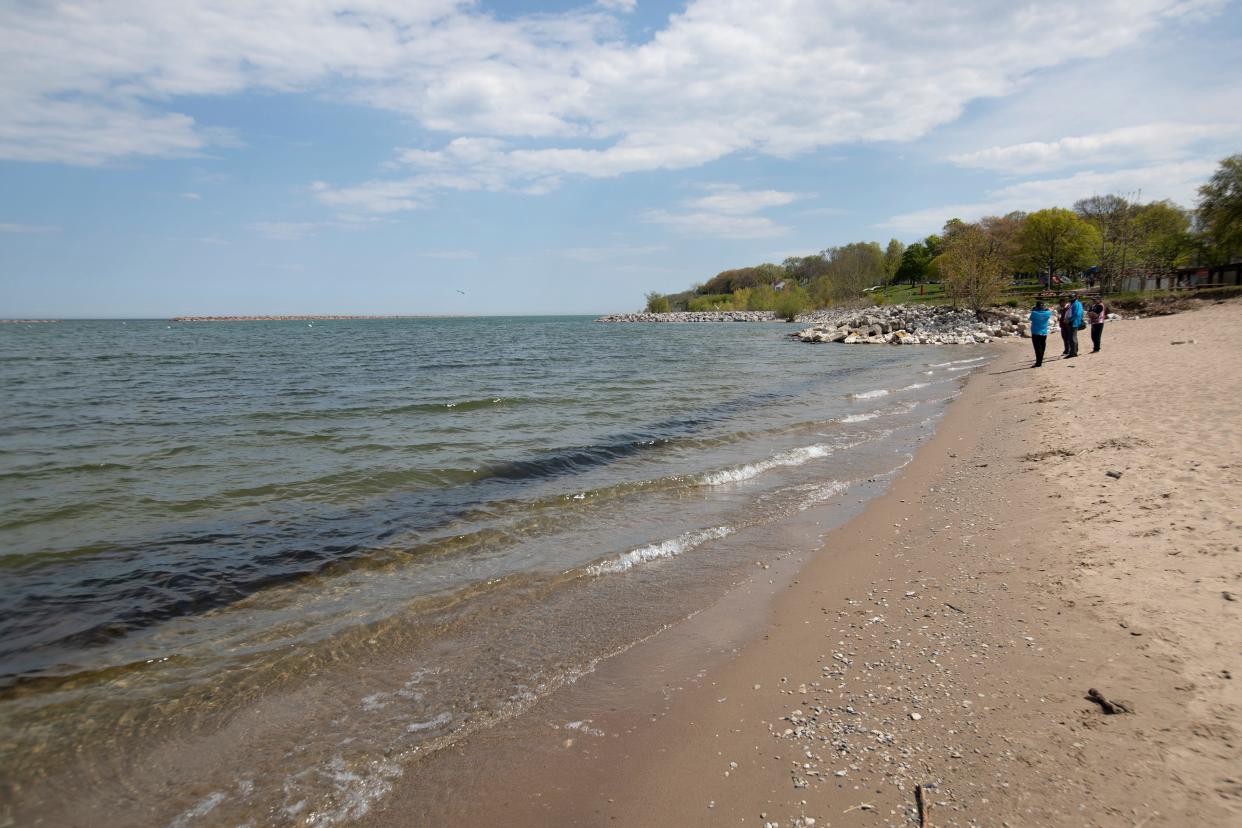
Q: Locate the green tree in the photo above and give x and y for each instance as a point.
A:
(892, 259)
(977, 260)
(1164, 242)
(1056, 240)
(790, 302)
(657, 303)
(854, 267)
(1220, 209)
(915, 260)
(1112, 216)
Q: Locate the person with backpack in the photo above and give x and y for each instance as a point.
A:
(1096, 314)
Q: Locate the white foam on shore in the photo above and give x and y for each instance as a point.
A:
(866, 395)
(862, 418)
(198, 810)
(916, 386)
(822, 492)
(655, 551)
(435, 721)
(955, 362)
(793, 457)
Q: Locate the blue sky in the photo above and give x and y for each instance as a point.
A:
(447, 156)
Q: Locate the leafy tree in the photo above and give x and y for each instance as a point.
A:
(790, 302)
(892, 259)
(762, 298)
(1163, 236)
(728, 281)
(657, 303)
(1112, 216)
(1056, 240)
(1220, 208)
(805, 269)
(976, 263)
(915, 260)
(855, 267)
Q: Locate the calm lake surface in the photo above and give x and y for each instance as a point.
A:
(299, 557)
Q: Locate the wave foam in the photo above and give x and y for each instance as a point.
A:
(655, 551)
(793, 457)
(820, 493)
(866, 395)
(955, 362)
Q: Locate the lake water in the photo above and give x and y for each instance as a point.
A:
(255, 571)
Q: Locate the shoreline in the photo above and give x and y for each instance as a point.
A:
(946, 637)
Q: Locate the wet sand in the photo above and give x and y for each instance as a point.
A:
(946, 637)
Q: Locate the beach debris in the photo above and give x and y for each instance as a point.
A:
(955, 609)
(861, 806)
(1182, 342)
(918, 717)
(1228, 596)
(1109, 706)
(1115, 475)
(924, 805)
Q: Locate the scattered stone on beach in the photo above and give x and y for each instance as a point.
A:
(1228, 596)
(1115, 475)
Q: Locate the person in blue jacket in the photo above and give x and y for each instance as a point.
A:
(1041, 318)
(1074, 320)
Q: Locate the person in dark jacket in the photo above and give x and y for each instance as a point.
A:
(1096, 314)
(1041, 318)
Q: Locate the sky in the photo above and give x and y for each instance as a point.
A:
(474, 157)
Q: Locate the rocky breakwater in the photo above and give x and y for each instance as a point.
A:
(911, 325)
(692, 316)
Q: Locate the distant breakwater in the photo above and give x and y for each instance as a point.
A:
(290, 318)
(692, 316)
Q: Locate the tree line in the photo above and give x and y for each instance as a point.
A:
(1102, 239)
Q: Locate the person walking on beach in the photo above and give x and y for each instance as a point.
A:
(1096, 314)
(1071, 322)
(1041, 318)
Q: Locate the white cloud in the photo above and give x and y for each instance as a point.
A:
(286, 230)
(28, 229)
(87, 82)
(192, 196)
(720, 225)
(734, 200)
(618, 5)
(1159, 141)
(1177, 181)
(727, 212)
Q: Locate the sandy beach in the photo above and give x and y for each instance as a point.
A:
(947, 637)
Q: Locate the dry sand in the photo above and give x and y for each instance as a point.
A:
(947, 637)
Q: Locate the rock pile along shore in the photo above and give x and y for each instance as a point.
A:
(912, 325)
(884, 325)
